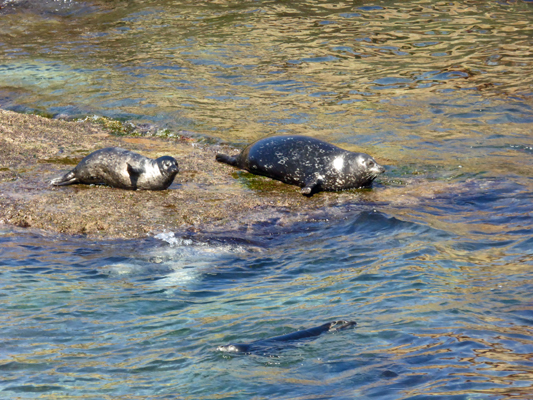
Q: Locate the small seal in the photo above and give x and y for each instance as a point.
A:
(307, 162)
(123, 169)
(274, 342)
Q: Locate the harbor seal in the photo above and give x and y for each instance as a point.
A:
(307, 162)
(274, 342)
(123, 169)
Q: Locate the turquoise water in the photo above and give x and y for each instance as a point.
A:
(436, 270)
(440, 314)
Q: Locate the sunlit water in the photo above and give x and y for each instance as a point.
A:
(440, 284)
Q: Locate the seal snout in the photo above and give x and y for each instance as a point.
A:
(168, 164)
(380, 169)
(172, 168)
(373, 167)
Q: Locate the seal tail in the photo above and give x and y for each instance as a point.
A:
(67, 179)
(223, 158)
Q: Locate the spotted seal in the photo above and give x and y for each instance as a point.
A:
(307, 162)
(123, 169)
(298, 335)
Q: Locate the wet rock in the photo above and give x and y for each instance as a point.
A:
(204, 196)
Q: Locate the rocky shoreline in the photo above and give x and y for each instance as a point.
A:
(205, 196)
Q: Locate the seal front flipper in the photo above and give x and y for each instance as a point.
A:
(223, 158)
(68, 179)
(134, 175)
(311, 187)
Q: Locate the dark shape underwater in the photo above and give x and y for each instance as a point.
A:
(278, 342)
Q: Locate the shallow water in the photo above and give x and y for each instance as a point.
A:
(438, 278)
(440, 311)
(242, 70)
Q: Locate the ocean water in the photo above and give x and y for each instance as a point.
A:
(438, 274)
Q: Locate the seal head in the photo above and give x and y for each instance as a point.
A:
(123, 169)
(168, 166)
(312, 164)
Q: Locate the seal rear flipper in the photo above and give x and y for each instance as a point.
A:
(223, 158)
(67, 179)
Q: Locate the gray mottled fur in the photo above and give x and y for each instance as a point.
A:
(123, 169)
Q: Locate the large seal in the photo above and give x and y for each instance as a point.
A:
(307, 162)
(275, 341)
(123, 169)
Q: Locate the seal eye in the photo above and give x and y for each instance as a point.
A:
(371, 164)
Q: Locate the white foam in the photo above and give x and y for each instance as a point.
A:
(171, 239)
(180, 262)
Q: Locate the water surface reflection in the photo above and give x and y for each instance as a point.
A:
(434, 264)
